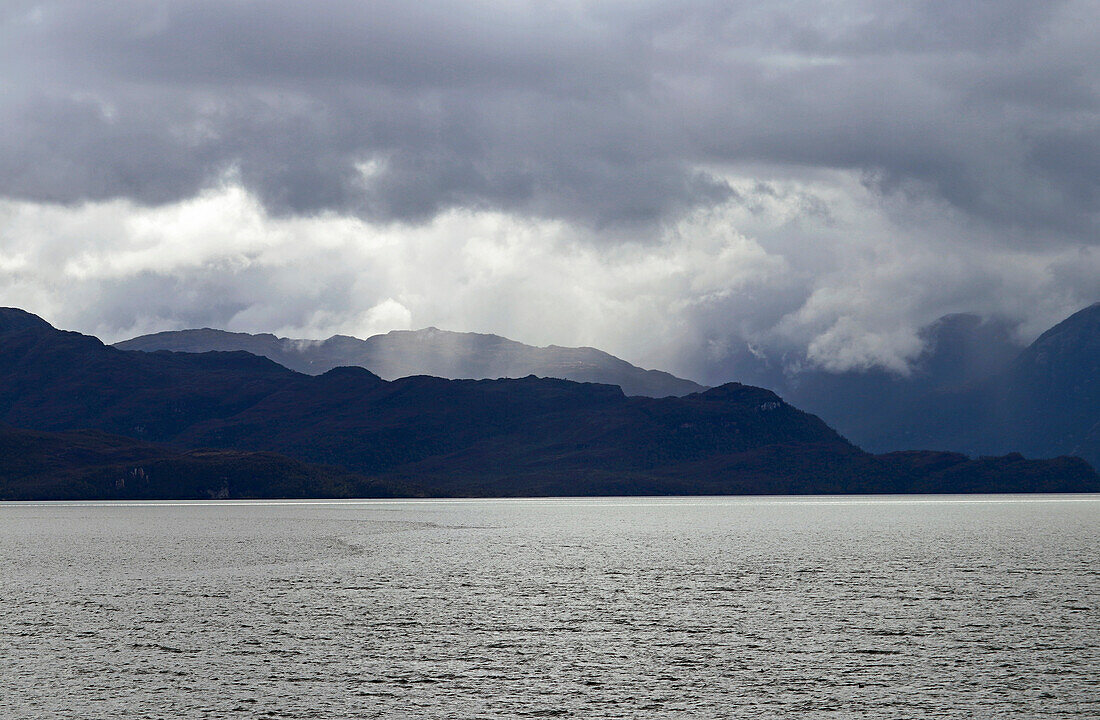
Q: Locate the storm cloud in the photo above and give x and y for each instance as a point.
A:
(821, 178)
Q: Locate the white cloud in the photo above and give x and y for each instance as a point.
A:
(826, 268)
(679, 183)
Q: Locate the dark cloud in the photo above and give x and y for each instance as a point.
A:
(602, 113)
(689, 184)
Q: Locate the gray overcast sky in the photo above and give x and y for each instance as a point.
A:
(665, 180)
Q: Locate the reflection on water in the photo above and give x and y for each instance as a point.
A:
(603, 608)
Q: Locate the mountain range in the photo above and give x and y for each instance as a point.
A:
(116, 423)
(431, 351)
(974, 389)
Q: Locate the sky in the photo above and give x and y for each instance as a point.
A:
(674, 182)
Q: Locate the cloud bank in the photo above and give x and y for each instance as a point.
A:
(665, 180)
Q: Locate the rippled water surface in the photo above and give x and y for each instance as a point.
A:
(605, 608)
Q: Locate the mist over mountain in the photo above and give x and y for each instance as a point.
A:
(431, 436)
(876, 407)
(431, 351)
(973, 390)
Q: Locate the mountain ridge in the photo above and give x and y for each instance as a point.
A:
(429, 436)
(429, 351)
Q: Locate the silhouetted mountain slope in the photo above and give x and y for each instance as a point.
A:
(431, 351)
(460, 437)
(89, 464)
(1053, 390)
(516, 426)
(54, 380)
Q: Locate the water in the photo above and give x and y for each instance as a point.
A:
(953, 607)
